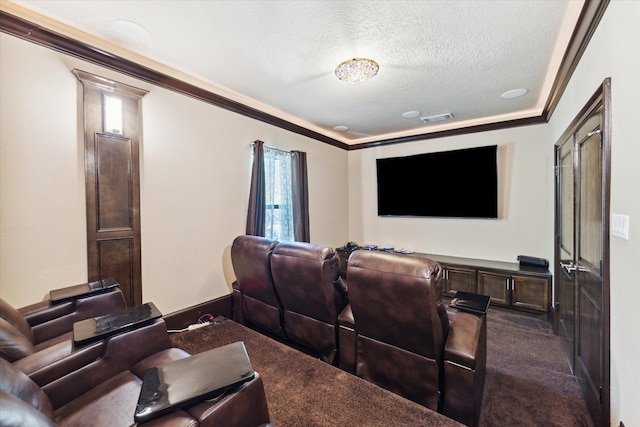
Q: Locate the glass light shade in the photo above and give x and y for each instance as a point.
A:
(357, 70)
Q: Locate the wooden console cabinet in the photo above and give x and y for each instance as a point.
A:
(507, 283)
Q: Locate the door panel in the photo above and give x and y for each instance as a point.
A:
(496, 286)
(530, 293)
(590, 351)
(565, 251)
(116, 258)
(459, 279)
(115, 195)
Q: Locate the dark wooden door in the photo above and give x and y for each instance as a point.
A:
(112, 181)
(582, 250)
(590, 220)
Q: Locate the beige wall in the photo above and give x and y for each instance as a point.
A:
(195, 166)
(195, 173)
(614, 51)
(523, 160)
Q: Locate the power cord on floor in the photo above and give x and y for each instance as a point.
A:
(204, 320)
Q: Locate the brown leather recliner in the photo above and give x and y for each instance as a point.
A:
(255, 301)
(307, 280)
(405, 339)
(105, 392)
(38, 326)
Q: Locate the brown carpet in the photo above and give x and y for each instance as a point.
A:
(528, 381)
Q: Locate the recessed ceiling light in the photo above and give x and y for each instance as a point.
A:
(514, 93)
(132, 33)
(341, 128)
(411, 114)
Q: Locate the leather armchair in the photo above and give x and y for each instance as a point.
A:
(406, 340)
(36, 327)
(307, 279)
(255, 301)
(105, 391)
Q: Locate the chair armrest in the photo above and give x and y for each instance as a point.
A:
(465, 341)
(172, 419)
(345, 318)
(245, 406)
(236, 303)
(465, 361)
(347, 340)
(45, 311)
(59, 360)
(51, 320)
(122, 352)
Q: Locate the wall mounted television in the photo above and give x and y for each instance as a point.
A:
(451, 184)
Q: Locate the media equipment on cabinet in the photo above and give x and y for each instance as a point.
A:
(533, 261)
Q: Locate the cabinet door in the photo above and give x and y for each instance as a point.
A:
(459, 279)
(496, 286)
(530, 293)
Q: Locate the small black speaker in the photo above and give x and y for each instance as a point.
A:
(533, 261)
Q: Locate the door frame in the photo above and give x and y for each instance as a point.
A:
(602, 97)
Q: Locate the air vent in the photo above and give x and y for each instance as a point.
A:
(437, 118)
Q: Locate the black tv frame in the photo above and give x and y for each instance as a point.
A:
(445, 184)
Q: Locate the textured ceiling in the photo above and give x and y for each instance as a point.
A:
(279, 56)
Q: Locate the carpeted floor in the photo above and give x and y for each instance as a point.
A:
(528, 381)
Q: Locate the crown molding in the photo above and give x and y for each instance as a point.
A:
(590, 17)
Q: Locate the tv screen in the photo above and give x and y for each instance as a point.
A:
(456, 184)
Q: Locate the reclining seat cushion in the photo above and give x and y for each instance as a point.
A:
(305, 276)
(15, 318)
(18, 384)
(13, 344)
(251, 259)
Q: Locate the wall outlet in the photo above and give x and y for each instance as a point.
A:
(620, 226)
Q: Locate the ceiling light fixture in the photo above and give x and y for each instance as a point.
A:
(341, 128)
(357, 70)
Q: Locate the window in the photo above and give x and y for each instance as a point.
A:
(278, 198)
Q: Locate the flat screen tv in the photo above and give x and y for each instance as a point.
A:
(452, 184)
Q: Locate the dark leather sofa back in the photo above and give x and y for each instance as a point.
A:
(251, 259)
(398, 293)
(305, 276)
(401, 335)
